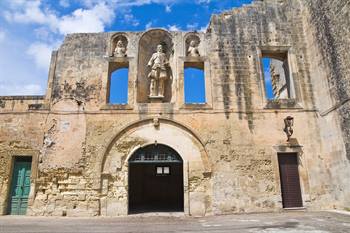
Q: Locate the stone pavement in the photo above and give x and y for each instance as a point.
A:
(289, 222)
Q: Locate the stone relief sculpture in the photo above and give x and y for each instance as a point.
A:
(81, 92)
(158, 74)
(193, 49)
(288, 127)
(120, 49)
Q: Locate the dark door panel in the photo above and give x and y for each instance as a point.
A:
(151, 192)
(155, 180)
(290, 183)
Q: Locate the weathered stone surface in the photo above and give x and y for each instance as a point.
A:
(81, 144)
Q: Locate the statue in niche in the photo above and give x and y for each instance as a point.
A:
(288, 127)
(158, 74)
(193, 49)
(120, 50)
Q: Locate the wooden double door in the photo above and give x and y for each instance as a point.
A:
(151, 192)
(156, 180)
(20, 186)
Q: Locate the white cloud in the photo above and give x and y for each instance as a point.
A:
(41, 53)
(192, 27)
(90, 20)
(130, 19)
(148, 25)
(44, 34)
(16, 4)
(267, 76)
(25, 89)
(2, 36)
(80, 20)
(30, 12)
(64, 3)
(130, 3)
(19, 74)
(167, 9)
(202, 1)
(204, 29)
(173, 28)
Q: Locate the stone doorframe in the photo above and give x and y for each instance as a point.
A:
(34, 174)
(302, 168)
(196, 167)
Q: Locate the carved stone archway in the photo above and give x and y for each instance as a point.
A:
(196, 168)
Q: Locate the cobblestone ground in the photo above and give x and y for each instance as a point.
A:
(291, 222)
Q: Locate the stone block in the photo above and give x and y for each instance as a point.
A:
(197, 204)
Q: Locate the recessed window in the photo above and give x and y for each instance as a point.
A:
(194, 82)
(161, 171)
(276, 74)
(118, 86)
(166, 170)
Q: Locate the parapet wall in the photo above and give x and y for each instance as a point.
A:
(22, 103)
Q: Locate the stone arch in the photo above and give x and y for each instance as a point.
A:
(150, 121)
(196, 169)
(147, 46)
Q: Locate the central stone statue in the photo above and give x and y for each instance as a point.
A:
(158, 74)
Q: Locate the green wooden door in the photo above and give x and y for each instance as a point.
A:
(20, 187)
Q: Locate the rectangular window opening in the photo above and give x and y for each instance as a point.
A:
(118, 84)
(162, 171)
(276, 75)
(194, 83)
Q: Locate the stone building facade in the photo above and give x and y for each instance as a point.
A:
(88, 157)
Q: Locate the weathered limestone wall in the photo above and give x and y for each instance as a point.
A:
(229, 145)
(327, 30)
(20, 134)
(329, 26)
(238, 37)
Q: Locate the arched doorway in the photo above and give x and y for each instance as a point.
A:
(115, 165)
(156, 180)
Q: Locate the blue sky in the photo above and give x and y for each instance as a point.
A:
(119, 86)
(267, 77)
(31, 29)
(194, 86)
